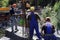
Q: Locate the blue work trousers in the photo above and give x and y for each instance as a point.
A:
(32, 27)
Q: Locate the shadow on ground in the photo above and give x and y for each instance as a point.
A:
(13, 36)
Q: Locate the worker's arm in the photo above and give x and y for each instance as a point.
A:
(53, 29)
(38, 17)
(42, 30)
(28, 17)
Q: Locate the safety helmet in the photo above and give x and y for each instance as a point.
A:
(32, 8)
(47, 18)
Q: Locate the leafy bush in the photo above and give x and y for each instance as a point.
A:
(57, 9)
(48, 12)
(4, 3)
(56, 6)
(53, 13)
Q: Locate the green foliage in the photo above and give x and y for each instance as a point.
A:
(48, 12)
(40, 1)
(53, 13)
(21, 22)
(4, 3)
(56, 6)
(31, 2)
(57, 9)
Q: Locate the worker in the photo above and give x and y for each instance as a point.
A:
(13, 18)
(33, 23)
(48, 30)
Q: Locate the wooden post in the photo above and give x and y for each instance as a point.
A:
(24, 14)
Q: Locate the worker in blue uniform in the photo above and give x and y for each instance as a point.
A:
(49, 30)
(33, 23)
